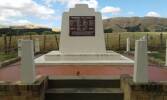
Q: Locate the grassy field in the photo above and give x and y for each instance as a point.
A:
(4, 56)
(114, 41)
(159, 55)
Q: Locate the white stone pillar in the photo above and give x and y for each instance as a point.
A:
(37, 46)
(19, 47)
(141, 62)
(144, 37)
(27, 62)
(128, 44)
(166, 55)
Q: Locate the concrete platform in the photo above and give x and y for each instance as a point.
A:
(56, 57)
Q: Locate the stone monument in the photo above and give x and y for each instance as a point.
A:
(82, 31)
(82, 40)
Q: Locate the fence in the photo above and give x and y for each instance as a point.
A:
(117, 41)
(114, 41)
(47, 42)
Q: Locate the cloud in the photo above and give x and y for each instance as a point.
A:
(23, 21)
(71, 3)
(24, 7)
(152, 14)
(9, 22)
(13, 10)
(110, 9)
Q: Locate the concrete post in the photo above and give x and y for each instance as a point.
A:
(19, 47)
(141, 62)
(144, 37)
(37, 46)
(128, 44)
(27, 62)
(166, 55)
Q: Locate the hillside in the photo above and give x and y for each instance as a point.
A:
(133, 24)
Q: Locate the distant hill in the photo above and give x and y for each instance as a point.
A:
(24, 29)
(135, 24)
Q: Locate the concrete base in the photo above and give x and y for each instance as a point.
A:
(56, 57)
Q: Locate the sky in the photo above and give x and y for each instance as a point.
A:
(49, 12)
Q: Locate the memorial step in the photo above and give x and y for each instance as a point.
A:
(84, 94)
(84, 83)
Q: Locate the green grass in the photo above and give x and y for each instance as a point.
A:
(159, 55)
(4, 56)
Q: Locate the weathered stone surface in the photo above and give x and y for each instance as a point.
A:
(146, 91)
(35, 91)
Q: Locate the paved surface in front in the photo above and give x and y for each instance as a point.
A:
(12, 72)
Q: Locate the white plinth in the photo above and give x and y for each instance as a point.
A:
(56, 57)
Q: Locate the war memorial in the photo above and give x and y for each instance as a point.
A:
(82, 41)
(82, 68)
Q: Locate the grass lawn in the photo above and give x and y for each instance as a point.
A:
(158, 57)
(4, 56)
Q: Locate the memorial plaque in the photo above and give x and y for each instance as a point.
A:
(82, 25)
